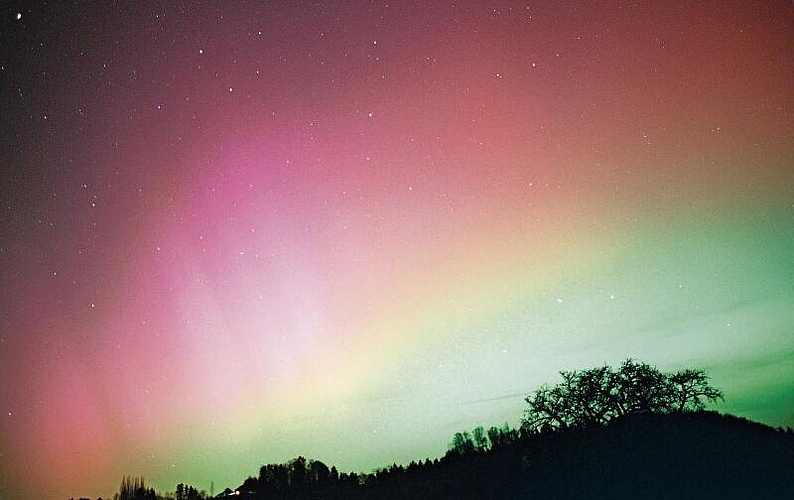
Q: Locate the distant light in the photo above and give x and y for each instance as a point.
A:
(19, 16)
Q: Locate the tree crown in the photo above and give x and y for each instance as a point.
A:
(598, 395)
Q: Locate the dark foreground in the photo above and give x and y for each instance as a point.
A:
(700, 455)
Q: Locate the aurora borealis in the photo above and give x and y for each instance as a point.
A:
(237, 232)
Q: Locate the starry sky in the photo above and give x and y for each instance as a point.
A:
(235, 232)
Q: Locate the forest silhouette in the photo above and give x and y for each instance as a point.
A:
(630, 432)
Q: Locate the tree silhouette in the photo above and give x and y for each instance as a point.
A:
(691, 387)
(297, 472)
(134, 488)
(598, 395)
(186, 492)
(501, 436)
(641, 388)
(480, 439)
(462, 443)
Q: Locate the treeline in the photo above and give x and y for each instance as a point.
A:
(480, 440)
(688, 454)
(598, 433)
(186, 492)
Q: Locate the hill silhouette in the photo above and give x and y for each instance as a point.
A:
(601, 433)
(700, 455)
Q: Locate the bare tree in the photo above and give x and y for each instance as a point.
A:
(598, 395)
(692, 390)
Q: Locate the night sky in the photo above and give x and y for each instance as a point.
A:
(236, 232)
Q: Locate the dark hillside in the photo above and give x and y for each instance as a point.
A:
(686, 455)
(691, 455)
(600, 433)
